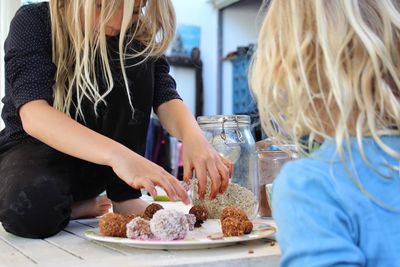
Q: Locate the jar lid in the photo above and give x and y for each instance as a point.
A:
(223, 118)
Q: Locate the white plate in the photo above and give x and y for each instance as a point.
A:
(207, 236)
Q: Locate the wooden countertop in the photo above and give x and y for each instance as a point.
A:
(71, 248)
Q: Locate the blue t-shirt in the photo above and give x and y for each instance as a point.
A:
(325, 219)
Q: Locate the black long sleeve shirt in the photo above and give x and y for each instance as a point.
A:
(29, 71)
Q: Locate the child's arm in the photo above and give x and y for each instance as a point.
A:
(59, 131)
(197, 152)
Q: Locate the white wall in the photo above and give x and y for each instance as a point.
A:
(185, 79)
(203, 14)
(239, 29)
(196, 12)
(7, 11)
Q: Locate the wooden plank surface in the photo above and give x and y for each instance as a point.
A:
(80, 247)
(272, 261)
(72, 248)
(12, 256)
(37, 250)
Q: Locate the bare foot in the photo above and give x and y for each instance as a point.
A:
(131, 206)
(91, 208)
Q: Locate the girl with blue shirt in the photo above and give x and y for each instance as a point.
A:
(330, 69)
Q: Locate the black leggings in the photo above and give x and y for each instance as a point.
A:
(38, 186)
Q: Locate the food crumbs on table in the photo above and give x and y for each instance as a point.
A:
(218, 236)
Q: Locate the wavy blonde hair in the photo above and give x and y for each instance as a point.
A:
(329, 69)
(78, 44)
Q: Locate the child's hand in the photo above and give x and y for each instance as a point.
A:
(139, 172)
(199, 155)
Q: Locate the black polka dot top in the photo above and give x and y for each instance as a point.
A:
(29, 71)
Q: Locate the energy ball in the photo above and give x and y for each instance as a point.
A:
(139, 228)
(169, 225)
(248, 227)
(150, 210)
(232, 227)
(201, 214)
(114, 224)
(198, 224)
(235, 222)
(191, 219)
(233, 212)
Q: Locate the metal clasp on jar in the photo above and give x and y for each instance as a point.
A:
(237, 130)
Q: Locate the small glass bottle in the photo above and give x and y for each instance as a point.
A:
(232, 138)
(269, 160)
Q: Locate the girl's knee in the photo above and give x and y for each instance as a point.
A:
(35, 213)
(36, 228)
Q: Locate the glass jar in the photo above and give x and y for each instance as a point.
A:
(232, 138)
(269, 160)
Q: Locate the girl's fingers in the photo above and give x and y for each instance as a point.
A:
(201, 181)
(187, 172)
(229, 165)
(164, 182)
(182, 194)
(226, 172)
(215, 180)
(149, 186)
(225, 175)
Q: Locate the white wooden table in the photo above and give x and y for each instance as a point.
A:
(71, 248)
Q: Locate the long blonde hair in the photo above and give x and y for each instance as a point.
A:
(329, 69)
(77, 44)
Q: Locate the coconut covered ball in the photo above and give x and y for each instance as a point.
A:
(191, 220)
(139, 228)
(169, 225)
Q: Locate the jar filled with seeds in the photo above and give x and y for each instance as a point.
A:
(232, 138)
